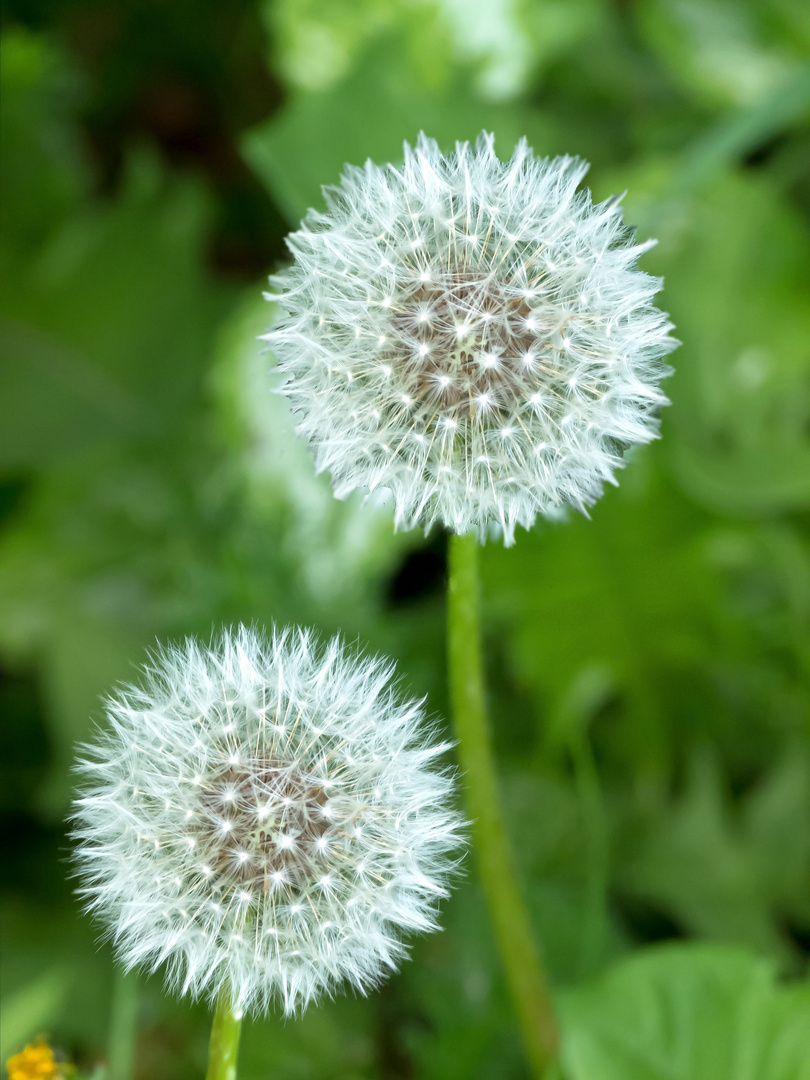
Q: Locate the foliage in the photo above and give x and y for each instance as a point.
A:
(649, 668)
(684, 1011)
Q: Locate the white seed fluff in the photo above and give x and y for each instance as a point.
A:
(263, 816)
(470, 335)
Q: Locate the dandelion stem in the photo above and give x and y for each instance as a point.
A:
(224, 1046)
(496, 863)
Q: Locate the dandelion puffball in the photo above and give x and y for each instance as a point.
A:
(470, 335)
(263, 816)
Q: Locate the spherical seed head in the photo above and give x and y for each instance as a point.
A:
(263, 816)
(471, 335)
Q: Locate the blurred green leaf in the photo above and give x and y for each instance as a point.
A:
(116, 549)
(630, 593)
(727, 50)
(45, 934)
(500, 42)
(451, 1010)
(745, 129)
(316, 45)
(368, 115)
(153, 488)
(749, 865)
(338, 547)
(108, 325)
(334, 1042)
(28, 1011)
(44, 174)
(740, 423)
(687, 1012)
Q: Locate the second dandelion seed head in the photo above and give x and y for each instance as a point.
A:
(263, 817)
(470, 335)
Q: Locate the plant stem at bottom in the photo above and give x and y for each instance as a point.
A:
(224, 1046)
(496, 864)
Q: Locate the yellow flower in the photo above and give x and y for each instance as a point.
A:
(36, 1062)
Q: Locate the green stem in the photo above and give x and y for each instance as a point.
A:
(224, 1046)
(123, 1025)
(496, 863)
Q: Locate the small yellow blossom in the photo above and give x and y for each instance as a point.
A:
(36, 1062)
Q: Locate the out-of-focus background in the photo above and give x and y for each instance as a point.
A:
(649, 668)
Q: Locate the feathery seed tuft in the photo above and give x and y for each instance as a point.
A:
(470, 335)
(263, 816)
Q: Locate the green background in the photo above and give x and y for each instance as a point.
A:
(649, 668)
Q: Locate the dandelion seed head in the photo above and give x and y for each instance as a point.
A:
(458, 288)
(227, 811)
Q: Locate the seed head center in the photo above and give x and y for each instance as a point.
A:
(263, 825)
(467, 338)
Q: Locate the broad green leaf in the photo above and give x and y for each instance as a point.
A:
(687, 1012)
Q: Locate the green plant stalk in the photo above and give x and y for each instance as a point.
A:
(223, 1049)
(123, 1025)
(496, 864)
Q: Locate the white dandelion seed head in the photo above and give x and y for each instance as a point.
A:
(263, 816)
(470, 335)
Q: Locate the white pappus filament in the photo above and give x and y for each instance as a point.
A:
(263, 815)
(470, 335)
